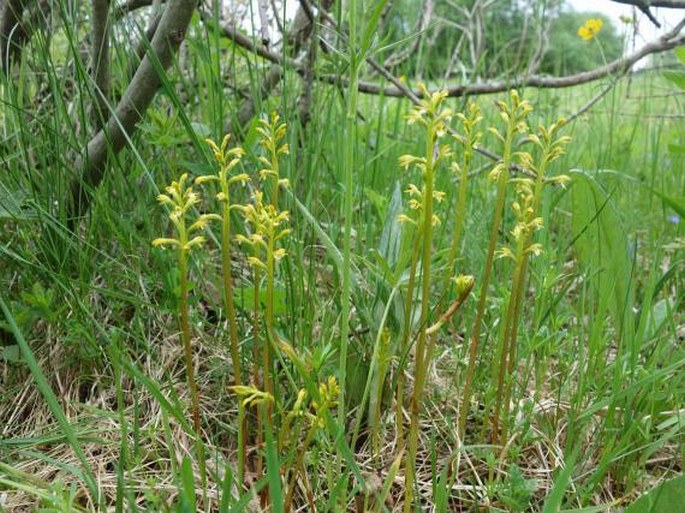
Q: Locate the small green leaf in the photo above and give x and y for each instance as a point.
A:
(11, 354)
(680, 53)
(201, 129)
(197, 169)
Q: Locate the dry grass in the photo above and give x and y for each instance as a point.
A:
(36, 449)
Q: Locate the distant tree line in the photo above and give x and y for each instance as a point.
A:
(491, 38)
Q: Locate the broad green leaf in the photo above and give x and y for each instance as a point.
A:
(677, 77)
(251, 134)
(371, 29)
(379, 201)
(197, 168)
(250, 496)
(188, 503)
(601, 243)
(273, 469)
(244, 299)
(390, 479)
(676, 203)
(332, 250)
(674, 420)
(226, 487)
(555, 498)
(391, 237)
(658, 314)
(15, 206)
(676, 149)
(602, 508)
(667, 497)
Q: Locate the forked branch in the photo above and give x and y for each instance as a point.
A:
(644, 6)
(132, 106)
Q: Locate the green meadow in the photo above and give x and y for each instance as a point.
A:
(345, 306)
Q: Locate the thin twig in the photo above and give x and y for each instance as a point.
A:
(592, 101)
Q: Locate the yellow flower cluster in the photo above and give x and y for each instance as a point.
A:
(590, 29)
(528, 222)
(329, 393)
(272, 134)
(181, 199)
(416, 204)
(251, 395)
(266, 222)
(435, 120)
(514, 114)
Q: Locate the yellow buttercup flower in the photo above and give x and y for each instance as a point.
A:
(590, 29)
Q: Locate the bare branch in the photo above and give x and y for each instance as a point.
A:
(305, 100)
(247, 109)
(307, 10)
(277, 18)
(301, 27)
(415, 99)
(128, 7)
(100, 61)
(244, 41)
(263, 9)
(668, 4)
(471, 32)
(642, 115)
(135, 101)
(617, 67)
